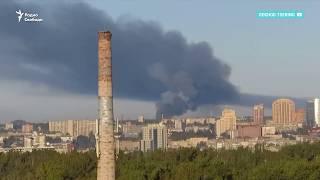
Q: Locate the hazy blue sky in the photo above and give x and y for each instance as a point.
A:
(277, 57)
(269, 56)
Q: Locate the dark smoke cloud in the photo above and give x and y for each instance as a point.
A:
(149, 63)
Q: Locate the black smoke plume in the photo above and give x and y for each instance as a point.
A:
(149, 63)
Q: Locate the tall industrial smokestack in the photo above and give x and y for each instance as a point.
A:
(106, 156)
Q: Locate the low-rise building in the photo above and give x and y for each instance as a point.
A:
(200, 120)
(131, 130)
(141, 119)
(268, 130)
(28, 142)
(251, 131)
(188, 143)
(8, 126)
(27, 128)
(129, 145)
(196, 129)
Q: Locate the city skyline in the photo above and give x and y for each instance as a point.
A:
(27, 80)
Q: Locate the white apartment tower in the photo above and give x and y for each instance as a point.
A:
(154, 136)
(313, 112)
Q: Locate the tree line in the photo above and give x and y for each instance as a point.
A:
(301, 161)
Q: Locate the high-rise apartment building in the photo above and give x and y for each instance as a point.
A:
(84, 127)
(283, 111)
(154, 136)
(258, 114)
(179, 125)
(310, 115)
(313, 112)
(317, 111)
(64, 126)
(227, 122)
(73, 127)
(299, 116)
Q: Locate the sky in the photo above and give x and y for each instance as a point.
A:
(264, 57)
(271, 51)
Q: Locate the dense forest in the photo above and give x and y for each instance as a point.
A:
(47, 165)
(300, 161)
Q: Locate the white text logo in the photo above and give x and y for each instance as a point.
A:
(20, 15)
(28, 17)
